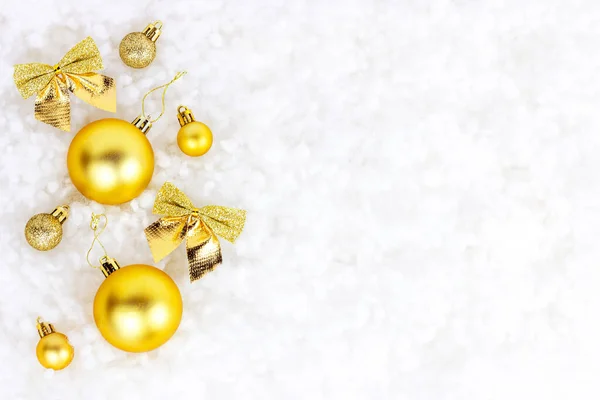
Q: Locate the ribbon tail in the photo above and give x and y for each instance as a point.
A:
(203, 252)
(165, 235)
(52, 105)
(96, 89)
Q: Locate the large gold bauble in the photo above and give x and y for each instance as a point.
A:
(194, 139)
(110, 161)
(138, 308)
(54, 351)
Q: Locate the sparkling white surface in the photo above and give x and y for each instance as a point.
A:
(422, 185)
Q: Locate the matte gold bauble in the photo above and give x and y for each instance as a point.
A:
(53, 350)
(44, 231)
(138, 307)
(111, 161)
(194, 138)
(138, 49)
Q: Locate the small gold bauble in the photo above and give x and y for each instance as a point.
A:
(44, 231)
(110, 161)
(194, 138)
(53, 350)
(137, 308)
(138, 49)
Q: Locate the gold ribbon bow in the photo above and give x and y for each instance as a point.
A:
(73, 73)
(199, 227)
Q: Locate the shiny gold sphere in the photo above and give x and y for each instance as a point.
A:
(138, 308)
(137, 50)
(43, 232)
(54, 351)
(194, 138)
(110, 161)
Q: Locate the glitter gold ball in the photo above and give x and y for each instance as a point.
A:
(43, 232)
(137, 50)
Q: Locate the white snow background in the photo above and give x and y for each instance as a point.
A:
(421, 180)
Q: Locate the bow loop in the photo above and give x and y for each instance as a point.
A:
(172, 201)
(75, 73)
(199, 227)
(31, 78)
(224, 221)
(82, 58)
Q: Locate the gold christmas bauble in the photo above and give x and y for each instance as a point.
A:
(137, 308)
(110, 161)
(44, 231)
(53, 350)
(138, 49)
(194, 138)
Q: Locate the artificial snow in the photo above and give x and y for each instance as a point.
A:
(421, 181)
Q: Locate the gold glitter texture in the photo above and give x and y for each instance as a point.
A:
(137, 50)
(199, 227)
(43, 232)
(74, 73)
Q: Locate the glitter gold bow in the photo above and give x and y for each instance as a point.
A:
(73, 73)
(199, 226)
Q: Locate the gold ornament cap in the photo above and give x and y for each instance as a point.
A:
(44, 328)
(143, 123)
(61, 213)
(184, 115)
(153, 30)
(108, 265)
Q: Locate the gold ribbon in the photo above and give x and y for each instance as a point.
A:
(73, 73)
(198, 226)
